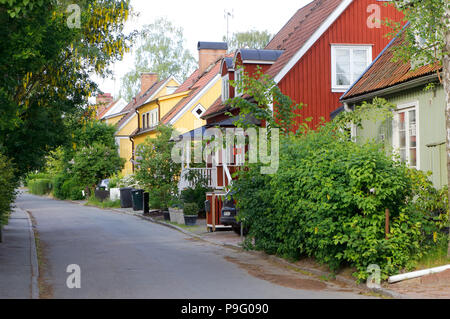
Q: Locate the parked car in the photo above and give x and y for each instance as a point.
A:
(228, 216)
(104, 184)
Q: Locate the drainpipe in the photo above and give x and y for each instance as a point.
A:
(159, 111)
(132, 152)
(139, 120)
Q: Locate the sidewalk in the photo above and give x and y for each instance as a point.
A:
(431, 286)
(18, 261)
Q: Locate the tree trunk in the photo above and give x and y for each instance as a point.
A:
(446, 82)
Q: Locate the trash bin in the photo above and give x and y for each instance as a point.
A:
(146, 203)
(125, 197)
(138, 199)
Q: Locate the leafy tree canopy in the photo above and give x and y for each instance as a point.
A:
(46, 59)
(252, 39)
(160, 49)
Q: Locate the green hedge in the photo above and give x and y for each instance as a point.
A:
(66, 187)
(8, 184)
(40, 186)
(328, 201)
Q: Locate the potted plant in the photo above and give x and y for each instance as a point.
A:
(190, 214)
(176, 211)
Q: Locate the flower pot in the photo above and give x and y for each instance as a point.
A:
(114, 194)
(176, 215)
(166, 215)
(190, 220)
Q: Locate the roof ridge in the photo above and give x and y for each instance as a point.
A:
(299, 24)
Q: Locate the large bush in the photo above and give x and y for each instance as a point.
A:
(8, 184)
(328, 201)
(40, 186)
(157, 172)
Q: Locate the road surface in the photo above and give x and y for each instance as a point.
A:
(123, 256)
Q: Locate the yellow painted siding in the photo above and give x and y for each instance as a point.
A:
(125, 151)
(114, 120)
(188, 122)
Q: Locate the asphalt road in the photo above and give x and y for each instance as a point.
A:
(122, 256)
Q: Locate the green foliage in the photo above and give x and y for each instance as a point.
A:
(105, 204)
(328, 201)
(157, 172)
(47, 68)
(160, 49)
(40, 186)
(264, 92)
(190, 209)
(8, 184)
(252, 39)
(67, 187)
(96, 162)
(425, 37)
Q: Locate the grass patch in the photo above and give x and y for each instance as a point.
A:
(93, 201)
(435, 257)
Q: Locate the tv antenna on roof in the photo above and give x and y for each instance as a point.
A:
(228, 15)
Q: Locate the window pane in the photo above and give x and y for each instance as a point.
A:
(412, 129)
(402, 139)
(342, 79)
(359, 63)
(343, 61)
(403, 155)
(412, 156)
(401, 117)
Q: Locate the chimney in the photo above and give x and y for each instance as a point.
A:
(102, 101)
(147, 80)
(210, 52)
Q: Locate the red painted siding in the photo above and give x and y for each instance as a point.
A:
(309, 81)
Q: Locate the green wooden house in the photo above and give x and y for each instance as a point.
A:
(416, 131)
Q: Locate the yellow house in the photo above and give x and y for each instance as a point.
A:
(183, 109)
(127, 119)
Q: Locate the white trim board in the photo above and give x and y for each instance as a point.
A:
(195, 99)
(316, 36)
(159, 90)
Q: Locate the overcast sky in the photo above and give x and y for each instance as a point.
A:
(204, 20)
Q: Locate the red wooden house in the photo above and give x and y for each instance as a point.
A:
(320, 52)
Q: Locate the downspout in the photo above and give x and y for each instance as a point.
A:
(159, 111)
(132, 152)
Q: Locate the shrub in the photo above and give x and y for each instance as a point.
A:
(190, 209)
(328, 201)
(34, 176)
(40, 186)
(8, 184)
(195, 195)
(67, 187)
(157, 172)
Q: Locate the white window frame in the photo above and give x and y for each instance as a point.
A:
(238, 75)
(152, 117)
(225, 88)
(405, 108)
(195, 109)
(334, 47)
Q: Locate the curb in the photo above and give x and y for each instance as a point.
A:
(382, 291)
(34, 261)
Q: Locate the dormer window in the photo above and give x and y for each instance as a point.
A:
(238, 75)
(225, 88)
